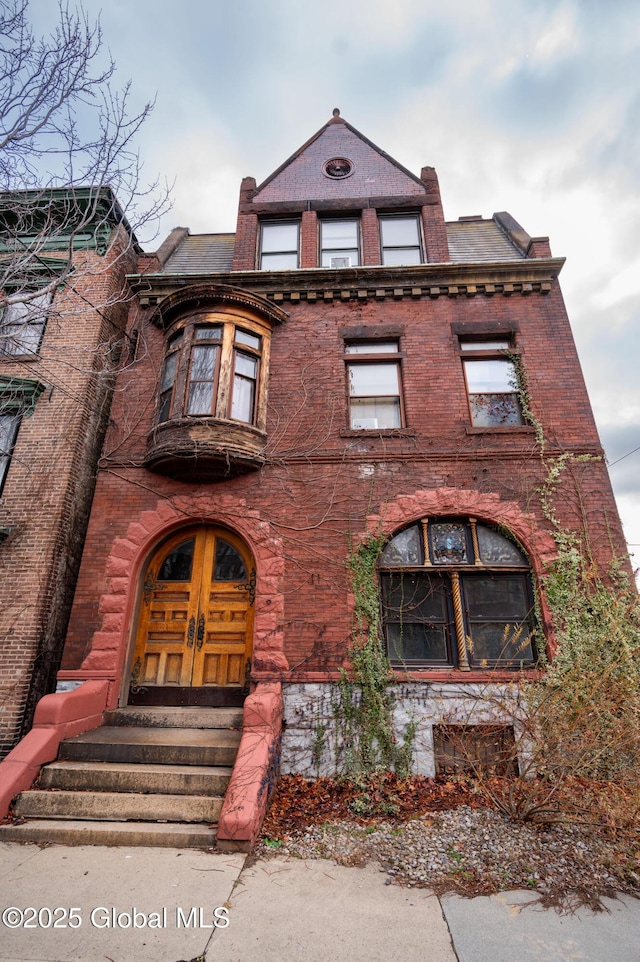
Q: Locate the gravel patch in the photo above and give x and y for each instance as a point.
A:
(474, 851)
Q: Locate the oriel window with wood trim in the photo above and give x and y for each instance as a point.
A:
(375, 385)
(456, 594)
(214, 366)
(492, 383)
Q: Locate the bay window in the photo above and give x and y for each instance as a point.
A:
(211, 369)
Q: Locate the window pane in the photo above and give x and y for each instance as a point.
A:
(495, 549)
(200, 397)
(509, 644)
(404, 549)
(177, 565)
(279, 237)
(169, 373)
(448, 543)
(251, 340)
(22, 325)
(484, 345)
(496, 596)
(337, 234)
(246, 365)
(490, 377)
(368, 379)
(8, 430)
(372, 347)
(416, 616)
(498, 615)
(495, 410)
(399, 231)
(401, 256)
(279, 262)
(374, 413)
(209, 333)
(416, 642)
(203, 363)
(242, 404)
(228, 565)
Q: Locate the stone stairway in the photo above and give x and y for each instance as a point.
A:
(147, 776)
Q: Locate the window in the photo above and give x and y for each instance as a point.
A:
(279, 245)
(339, 243)
(456, 594)
(22, 325)
(17, 399)
(373, 370)
(400, 240)
(211, 368)
(491, 383)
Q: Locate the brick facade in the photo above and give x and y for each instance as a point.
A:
(321, 484)
(46, 498)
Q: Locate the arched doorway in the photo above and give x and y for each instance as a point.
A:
(195, 623)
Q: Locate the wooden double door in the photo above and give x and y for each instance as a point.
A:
(194, 633)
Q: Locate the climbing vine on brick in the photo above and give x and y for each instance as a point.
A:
(365, 700)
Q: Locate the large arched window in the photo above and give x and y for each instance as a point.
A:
(456, 593)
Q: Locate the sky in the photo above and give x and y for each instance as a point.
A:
(529, 106)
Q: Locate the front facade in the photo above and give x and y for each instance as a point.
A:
(346, 366)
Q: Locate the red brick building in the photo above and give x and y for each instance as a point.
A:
(347, 362)
(64, 258)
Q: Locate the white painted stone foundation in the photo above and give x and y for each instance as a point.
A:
(309, 740)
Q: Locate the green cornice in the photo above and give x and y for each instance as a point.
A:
(59, 220)
(19, 394)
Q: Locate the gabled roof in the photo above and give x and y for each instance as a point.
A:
(373, 172)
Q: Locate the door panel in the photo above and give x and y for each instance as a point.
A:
(195, 632)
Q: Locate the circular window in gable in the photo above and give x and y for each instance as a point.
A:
(338, 168)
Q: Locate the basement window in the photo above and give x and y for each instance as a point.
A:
(485, 749)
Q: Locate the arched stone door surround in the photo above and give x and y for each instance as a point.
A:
(111, 650)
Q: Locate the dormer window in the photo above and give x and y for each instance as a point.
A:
(339, 243)
(279, 245)
(400, 239)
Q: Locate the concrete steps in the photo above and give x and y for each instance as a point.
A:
(147, 776)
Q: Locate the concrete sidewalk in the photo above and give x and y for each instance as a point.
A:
(134, 905)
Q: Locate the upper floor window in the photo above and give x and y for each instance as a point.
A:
(279, 245)
(375, 386)
(212, 367)
(456, 593)
(492, 385)
(22, 325)
(400, 239)
(339, 243)
(17, 398)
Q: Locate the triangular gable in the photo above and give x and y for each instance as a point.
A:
(302, 176)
